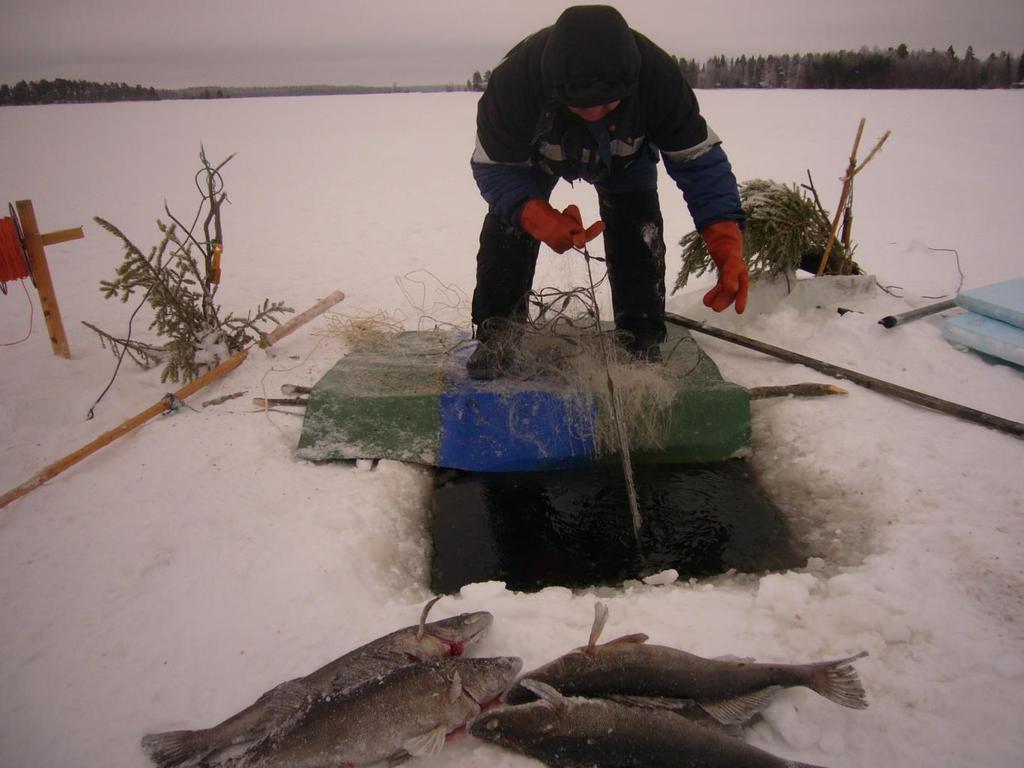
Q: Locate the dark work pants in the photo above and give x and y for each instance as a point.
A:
(634, 248)
(505, 265)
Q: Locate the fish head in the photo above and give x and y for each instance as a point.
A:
(558, 674)
(485, 679)
(516, 727)
(451, 636)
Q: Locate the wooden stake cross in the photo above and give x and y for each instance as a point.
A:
(35, 244)
(851, 170)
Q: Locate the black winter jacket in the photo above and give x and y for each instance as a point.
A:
(525, 131)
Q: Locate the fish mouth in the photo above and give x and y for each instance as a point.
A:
(490, 694)
(467, 637)
(484, 620)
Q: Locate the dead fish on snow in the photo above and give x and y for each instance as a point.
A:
(731, 691)
(405, 713)
(279, 707)
(575, 732)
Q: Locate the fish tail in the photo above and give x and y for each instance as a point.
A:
(176, 749)
(838, 681)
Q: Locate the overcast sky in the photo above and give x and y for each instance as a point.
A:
(174, 43)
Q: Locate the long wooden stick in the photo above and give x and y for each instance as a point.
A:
(811, 389)
(887, 388)
(167, 402)
(847, 184)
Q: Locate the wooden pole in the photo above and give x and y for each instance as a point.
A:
(847, 183)
(62, 236)
(34, 243)
(796, 390)
(167, 402)
(894, 390)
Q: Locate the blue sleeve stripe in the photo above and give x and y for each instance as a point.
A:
(708, 186)
(505, 188)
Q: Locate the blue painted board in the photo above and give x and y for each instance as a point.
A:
(983, 334)
(512, 426)
(1000, 301)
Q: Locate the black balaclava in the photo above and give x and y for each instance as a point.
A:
(591, 57)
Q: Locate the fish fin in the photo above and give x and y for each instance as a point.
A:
(423, 616)
(687, 708)
(838, 681)
(176, 748)
(600, 619)
(455, 690)
(429, 743)
(653, 702)
(544, 692)
(365, 668)
(739, 709)
(736, 659)
(285, 703)
(636, 639)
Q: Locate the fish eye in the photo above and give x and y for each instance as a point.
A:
(491, 725)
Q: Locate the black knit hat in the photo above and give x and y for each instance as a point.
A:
(590, 57)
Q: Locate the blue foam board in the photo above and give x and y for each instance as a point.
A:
(983, 334)
(1000, 301)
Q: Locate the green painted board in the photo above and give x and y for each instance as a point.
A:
(409, 399)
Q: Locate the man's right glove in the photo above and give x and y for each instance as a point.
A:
(561, 231)
(725, 246)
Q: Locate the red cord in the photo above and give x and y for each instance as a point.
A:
(12, 258)
(31, 319)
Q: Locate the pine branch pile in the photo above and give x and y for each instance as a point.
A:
(786, 228)
(178, 286)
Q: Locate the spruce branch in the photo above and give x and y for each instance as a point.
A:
(180, 291)
(784, 227)
(144, 355)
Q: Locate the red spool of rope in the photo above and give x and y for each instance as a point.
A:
(13, 265)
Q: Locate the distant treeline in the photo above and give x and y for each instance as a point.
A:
(61, 91)
(867, 68)
(242, 92)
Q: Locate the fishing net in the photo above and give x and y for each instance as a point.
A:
(363, 329)
(562, 346)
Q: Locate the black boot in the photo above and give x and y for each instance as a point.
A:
(496, 355)
(634, 246)
(505, 265)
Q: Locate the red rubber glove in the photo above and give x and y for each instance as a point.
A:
(561, 231)
(725, 246)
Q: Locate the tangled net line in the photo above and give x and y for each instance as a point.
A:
(436, 305)
(561, 341)
(558, 341)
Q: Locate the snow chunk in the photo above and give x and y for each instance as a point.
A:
(785, 595)
(662, 578)
(482, 590)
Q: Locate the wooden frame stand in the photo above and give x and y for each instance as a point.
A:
(35, 244)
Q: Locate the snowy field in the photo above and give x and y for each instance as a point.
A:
(169, 579)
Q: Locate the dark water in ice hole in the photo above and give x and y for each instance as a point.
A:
(573, 528)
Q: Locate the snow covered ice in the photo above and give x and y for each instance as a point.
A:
(181, 571)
